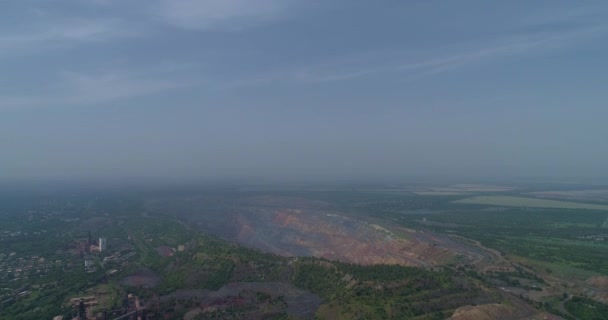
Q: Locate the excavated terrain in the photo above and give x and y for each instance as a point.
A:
(301, 227)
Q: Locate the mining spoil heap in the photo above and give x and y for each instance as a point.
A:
(300, 227)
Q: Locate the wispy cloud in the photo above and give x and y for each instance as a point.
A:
(580, 15)
(218, 14)
(56, 34)
(204, 14)
(78, 88)
(482, 51)
(110, 86)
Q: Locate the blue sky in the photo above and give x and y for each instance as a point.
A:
(295, 89)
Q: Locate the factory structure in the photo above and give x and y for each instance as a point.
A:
(103, 244)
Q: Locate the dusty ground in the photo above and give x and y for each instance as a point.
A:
(497, 311)
(299, 227)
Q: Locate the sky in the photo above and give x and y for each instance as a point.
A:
(185, 90)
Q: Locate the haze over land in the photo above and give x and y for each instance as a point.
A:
(181, 90)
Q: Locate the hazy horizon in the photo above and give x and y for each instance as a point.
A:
(184, 91)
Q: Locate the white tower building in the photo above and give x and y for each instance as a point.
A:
(102, 244)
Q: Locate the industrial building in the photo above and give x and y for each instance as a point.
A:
(103, 244)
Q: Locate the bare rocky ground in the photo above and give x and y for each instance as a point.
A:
(300, 227)
(496, 311)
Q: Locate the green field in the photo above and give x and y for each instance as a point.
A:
(510, 201)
